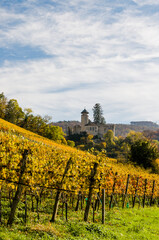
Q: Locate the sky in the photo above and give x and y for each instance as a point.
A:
(58, 57)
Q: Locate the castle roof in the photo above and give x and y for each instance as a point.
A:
(91, 124)
(96, 124)
(85, 111)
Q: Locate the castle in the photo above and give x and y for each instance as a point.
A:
(99, 129)
(95, 129)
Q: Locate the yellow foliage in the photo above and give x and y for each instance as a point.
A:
(46, 163)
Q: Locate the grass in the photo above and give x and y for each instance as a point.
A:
(119, 224)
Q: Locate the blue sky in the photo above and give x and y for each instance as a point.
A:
(59, 56)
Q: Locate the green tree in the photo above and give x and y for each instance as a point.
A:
(14, 113)
(144, 153)
(3, 104)
(27, 116)
(70, 143)
(55, 133)
(103, 120)
(98, 114)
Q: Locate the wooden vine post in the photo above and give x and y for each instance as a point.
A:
(113, 190)
(137, 183)
(97, 202)
(32, 203)
(126, 190)
(78, 201)
(92, 182)
(0, 205)
(25, 215)
(10, 197)
(93, 208)
(145, 193)
(66, 210)
(103, 206)
(81, 201)
(58, 194)
(153, 188)
(37, 205)
(18, 193)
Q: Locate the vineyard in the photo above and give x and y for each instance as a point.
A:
(35, 169)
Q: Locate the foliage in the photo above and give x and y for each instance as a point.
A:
(115, 147)
(12, 112)
(144, 153)
(109, 138)
(47, 160)
(3, 104)
(133, 136)
(70, 143)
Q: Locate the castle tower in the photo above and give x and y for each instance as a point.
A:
(84, 119)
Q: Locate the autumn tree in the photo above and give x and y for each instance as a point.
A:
(133, 136)
(109, 138)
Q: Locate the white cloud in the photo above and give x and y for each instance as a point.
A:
(92, 60)
(147, 2)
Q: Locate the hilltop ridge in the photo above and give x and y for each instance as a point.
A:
(121, 129)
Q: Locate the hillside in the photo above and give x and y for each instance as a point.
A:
(37, 173)
(50, 157)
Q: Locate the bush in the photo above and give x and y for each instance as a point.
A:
(144, 153)
(70, 143)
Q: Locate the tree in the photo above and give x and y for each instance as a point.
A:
(55, 133)
(26, 119)
(98, 114)
(144, 153)
(133, 136)
(109, 138)
(3, 104)
(70, 143)
(103, 120)
(14, 113)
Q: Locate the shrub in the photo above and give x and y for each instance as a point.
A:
(144, 153)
